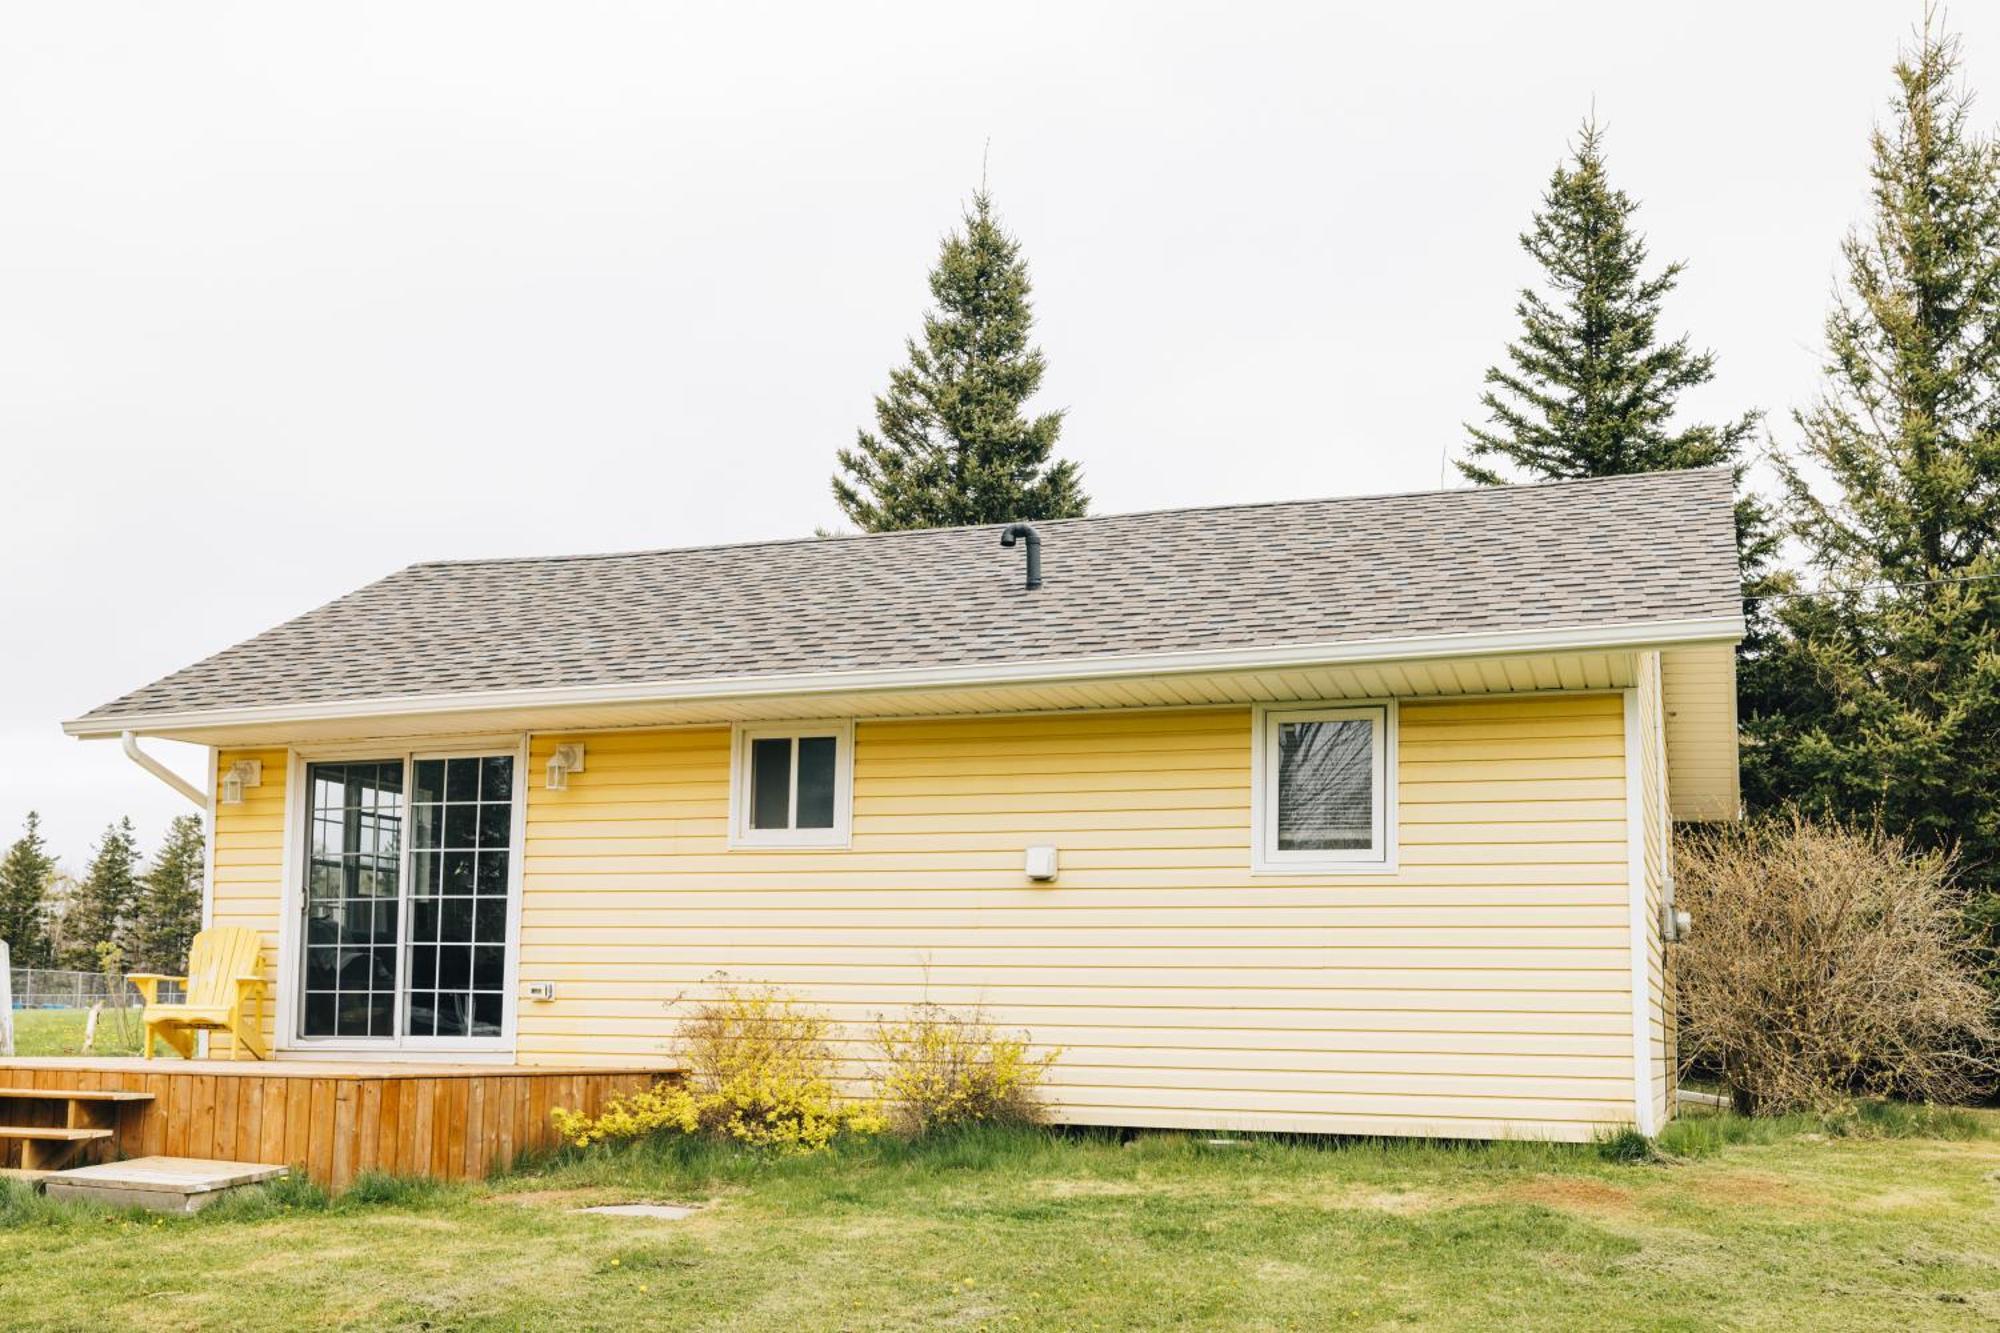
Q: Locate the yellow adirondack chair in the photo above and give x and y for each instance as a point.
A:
(224, 981)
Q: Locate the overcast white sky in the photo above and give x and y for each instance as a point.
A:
(293, 296)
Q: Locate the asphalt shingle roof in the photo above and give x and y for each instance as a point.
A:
(1581, 554)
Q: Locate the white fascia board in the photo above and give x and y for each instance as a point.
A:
(1728, 629)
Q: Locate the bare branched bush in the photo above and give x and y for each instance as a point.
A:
(1826, 963)
(945, 1068)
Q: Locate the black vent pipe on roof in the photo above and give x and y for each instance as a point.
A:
(1020, 532)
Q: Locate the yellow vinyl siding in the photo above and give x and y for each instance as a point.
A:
(1482, 988)
(249, 862)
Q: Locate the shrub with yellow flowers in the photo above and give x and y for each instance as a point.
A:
(759, 1072)
(945, 1068)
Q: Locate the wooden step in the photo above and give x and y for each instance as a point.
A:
(71, 1095)
(46, 1147)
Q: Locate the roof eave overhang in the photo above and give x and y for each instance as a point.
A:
(1628, 637)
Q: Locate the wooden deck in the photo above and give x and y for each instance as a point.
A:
(334, 1120)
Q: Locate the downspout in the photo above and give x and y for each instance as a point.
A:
(162, 772)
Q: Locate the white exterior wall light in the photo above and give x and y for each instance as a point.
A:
(243, 773)
(566, 760)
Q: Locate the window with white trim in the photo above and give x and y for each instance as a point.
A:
(791, 785)
(1321, 790)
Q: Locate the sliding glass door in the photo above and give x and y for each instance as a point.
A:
(461, 861)
(353, 899)
(408, 899)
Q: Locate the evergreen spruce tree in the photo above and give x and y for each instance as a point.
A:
(1882, 698)
(169, 911)
(24, 880)
(1589, 389)
(951, 445)
(104, 904)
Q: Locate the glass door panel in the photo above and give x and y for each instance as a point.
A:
(353, 898)
(461, 863)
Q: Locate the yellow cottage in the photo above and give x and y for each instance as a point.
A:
(1341, 816)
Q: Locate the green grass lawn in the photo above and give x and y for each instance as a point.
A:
(1765, 1225)
(60, 1032)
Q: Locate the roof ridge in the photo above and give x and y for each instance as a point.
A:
(1460, 492)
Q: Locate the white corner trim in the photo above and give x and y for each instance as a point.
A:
(840, 836)
(291, 909)
(1586, 638)
(1635, 868)
(1264, 858)
(208, 841)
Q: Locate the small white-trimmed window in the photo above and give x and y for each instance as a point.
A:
(791, 785)
(1322, 797)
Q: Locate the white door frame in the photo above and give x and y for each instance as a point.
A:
(292, 903)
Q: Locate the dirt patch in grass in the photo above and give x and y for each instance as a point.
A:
(1401, 1202)
(1093, 1189)
(1571, 1194)
(572, 1198)
(1760, 1189)
(1905, 1199)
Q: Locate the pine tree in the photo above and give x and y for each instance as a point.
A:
(1589, 389)
(1883, 697)
(953, 446)
(104, 903)
(24, 879)
(169, 910)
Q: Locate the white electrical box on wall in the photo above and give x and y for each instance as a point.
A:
(541, 990)
(1041, 864)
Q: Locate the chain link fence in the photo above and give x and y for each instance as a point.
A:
(52, 988)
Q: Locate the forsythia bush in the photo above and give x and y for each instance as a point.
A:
(760, 1072)
(945, 1068)
(662, 1106)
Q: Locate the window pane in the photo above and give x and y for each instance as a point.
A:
(461, 780)
(451, 1015)
(489, 921)
(496, 782)
(816, 755)
(771, 782)
(430, 780)
(486, 1015)
(1326, 785)
(461, 826)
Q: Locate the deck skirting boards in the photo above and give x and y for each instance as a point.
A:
(335, 1121)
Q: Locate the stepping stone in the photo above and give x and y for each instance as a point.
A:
(672, 1212)
(162, 1184)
